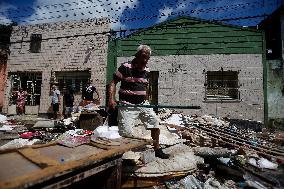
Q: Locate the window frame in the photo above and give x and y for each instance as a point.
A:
(35, 44)
(70, 78)
(30, 82)
(223, 79)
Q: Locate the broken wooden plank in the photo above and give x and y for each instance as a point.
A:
(54, 170)
(34, 156)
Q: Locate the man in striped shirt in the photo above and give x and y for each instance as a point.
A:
(133, 91)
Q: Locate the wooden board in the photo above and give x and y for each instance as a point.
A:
(14, 164)
(30, 166)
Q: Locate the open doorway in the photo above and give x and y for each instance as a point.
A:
(30, 82)
(153, 88)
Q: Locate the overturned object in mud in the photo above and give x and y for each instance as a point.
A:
(182, 159)
(213, 152)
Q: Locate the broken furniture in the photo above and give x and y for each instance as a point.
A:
(89, 120)
(56, 166)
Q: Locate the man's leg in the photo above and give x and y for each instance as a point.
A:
(21, 110)
(155, 133)
(55, 110)
(67, 112)
(126, 120)
(151, 122)
(54, 114)
(113, 117)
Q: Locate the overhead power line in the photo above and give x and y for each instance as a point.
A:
(149, 17)
(123, 32)
(242, 18)
(108, 3)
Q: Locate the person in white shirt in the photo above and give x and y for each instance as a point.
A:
(55, 101)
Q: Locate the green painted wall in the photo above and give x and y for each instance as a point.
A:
(187, 36)
(111, 59)
(265, 72)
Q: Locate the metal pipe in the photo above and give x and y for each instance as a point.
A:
(159, 106)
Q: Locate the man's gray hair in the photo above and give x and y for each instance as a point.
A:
(146, 47)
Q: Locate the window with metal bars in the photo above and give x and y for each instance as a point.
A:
(35, 45)
(30, 82)
(222, 85)
(77, 80)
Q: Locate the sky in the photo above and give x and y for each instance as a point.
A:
(133, 14)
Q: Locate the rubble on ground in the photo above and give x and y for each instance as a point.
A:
(18, 143)
(203, 149)
(182, 159)
(216, 138)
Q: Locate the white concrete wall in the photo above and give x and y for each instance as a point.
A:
(181, 82)
(274, 88)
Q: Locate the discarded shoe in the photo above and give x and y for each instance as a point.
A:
(160, 154)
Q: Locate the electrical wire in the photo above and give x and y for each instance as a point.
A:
(27, 8)
(145, 17)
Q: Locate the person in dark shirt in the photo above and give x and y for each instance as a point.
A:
(134, 76)
(88, 94)
(68, 99)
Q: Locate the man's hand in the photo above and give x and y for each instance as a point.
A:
(111, 104)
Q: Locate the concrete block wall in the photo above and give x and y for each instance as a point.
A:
(182, 78)
(65, 46)
(3, 78)
(275, 92)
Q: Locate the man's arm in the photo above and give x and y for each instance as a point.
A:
(64, 100)
(73, 98)
(111, 92)
(83, 93)
(96, 91)
(58, 95)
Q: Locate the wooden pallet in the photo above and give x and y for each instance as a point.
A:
(56, 166)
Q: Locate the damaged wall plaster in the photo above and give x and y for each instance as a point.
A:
(275, 95)
(181, 82)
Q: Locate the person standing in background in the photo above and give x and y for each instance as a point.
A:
(21, 101)
(55, 101)
(88, 94)
(68, 102)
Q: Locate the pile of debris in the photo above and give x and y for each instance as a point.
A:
(208, 152)
(205, 151)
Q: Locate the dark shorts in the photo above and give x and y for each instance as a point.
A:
(55, 107)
